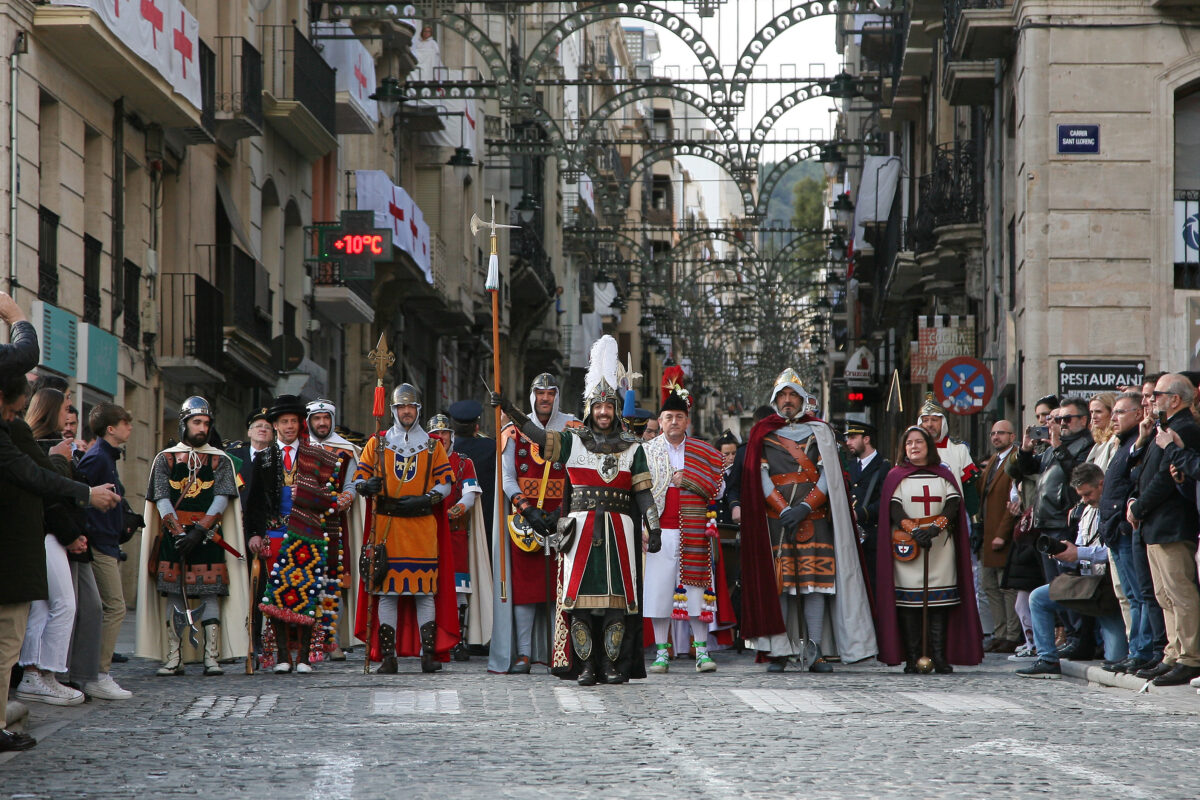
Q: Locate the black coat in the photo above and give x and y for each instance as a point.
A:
(1118, 485)
(1055, 497)
(23, 534)
(1167, 510)
(482, 452)
(866, 508)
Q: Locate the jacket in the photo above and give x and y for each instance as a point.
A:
(866, 507)
(104, 528)
(21, 354)
(1167, 510)
(1055, 497)
(994, 486)
(1118, 485)
(18, 467)
(23, 534)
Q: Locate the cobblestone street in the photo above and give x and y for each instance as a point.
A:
(864, 731)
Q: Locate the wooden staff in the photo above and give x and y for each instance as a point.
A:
(492, 285)
(255, 574)
(383, 359)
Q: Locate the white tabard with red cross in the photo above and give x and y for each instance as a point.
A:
(924, 495)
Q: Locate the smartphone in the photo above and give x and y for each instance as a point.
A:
(1160, 417)
(1038, 433)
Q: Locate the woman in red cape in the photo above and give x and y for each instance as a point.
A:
(964, 634)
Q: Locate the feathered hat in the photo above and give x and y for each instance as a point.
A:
(600, 385)
(674, 396)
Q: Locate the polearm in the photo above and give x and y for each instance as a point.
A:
(492, 286)
(383, 359)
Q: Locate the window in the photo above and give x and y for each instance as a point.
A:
(92, 250)
(1185, 234)
(47, 256)
(133, 305)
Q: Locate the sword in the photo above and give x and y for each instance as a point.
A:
(184, 617)
(218, 539)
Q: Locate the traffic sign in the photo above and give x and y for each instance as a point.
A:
(963, 386)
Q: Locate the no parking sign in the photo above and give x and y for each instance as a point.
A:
(963, 385)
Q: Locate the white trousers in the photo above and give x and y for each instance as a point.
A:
(662, 576)
(48, 631)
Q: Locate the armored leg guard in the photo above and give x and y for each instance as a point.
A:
(173, 665)
(460, 652)
(581, 641)
(614, 633)
(937, 640)
(212, 647)
(429, 663)
(387, 650)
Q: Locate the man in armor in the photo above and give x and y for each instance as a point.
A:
(681, 582)
(192, 499)
(535, 488)
(465, 518)
(409, 570)
(601, 563)
(347, 539)
(953, 453)
(800, 551)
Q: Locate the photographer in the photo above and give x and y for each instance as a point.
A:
(1164, 513)
(1069, 443)
(1089, 556)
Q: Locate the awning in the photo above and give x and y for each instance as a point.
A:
(225, 192)
(876, 191)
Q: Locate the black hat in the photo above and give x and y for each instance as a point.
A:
(466, 410)
(255, 415)
(675, 403)
(856, 428)
(286, 404)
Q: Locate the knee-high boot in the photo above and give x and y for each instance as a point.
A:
(387, 650)
(910, 636)
(614, 634)
(460, 651)
(938, 619)
(212, 647)
(173, 665)
(429, 662)
(581, 642)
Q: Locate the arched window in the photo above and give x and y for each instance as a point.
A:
(1185, 233)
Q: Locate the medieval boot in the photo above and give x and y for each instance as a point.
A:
(614, 633)
(429, 662)
(173, 665)
(387, 650)
(937, 640)
(910, 638)
(581, 641)
(460, 652)
(212, 647)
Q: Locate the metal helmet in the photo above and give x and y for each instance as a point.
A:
(543, 381)
(406, 395)
(194, 406)
(438, 422)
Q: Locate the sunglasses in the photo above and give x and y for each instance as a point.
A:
(1157, 393)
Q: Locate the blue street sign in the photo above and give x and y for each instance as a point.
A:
(1079, 138)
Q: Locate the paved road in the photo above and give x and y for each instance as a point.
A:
(865, 731)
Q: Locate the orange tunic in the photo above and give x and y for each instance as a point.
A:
(412, 545)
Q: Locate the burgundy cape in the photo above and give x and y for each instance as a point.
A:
(408, 632)
(964, 634)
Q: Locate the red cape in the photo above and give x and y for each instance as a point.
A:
(964, 635)
(408, 632)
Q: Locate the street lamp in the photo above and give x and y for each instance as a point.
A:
(832, 159)
(843, 210)
(526, 208)
(837, 248)
(388, 95)
(843, 86)
(462, 163)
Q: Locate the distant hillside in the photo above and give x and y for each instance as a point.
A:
(780, 207)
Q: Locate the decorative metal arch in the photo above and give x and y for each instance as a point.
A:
(483, 44)
(773, 177)
(646, 12)
(772, 115)
(798, 240)
(698, 150)
(612, 235)
(647, 91)
(696, 237)
(801, 12)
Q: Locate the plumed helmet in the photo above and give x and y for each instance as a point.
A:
(543, 381)
(930, 407)
(194, 406)
(438, 422)
(406, 395)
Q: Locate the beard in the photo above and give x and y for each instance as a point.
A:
(196, 440)
(322, 431)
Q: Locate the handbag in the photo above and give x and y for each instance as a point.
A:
(1091, 595)
(1024, 527)
(373, 562)
(519, 529)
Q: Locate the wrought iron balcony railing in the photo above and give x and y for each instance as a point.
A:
(192, 322)
(294, 70)
(952, 11)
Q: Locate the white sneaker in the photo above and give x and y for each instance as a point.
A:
(38, 689)
(283, 667)
(106, 688)
(1195, 682)
(1024, 653)
(303, 669)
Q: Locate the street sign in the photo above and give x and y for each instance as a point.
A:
(356, 244)
(860, 366)
(1079, 138)
(963, 385)
(1088, 377)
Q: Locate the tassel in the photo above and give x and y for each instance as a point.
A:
(710, 605)
(679, 607)
(492, 283)
(379, 407)
(710, 527)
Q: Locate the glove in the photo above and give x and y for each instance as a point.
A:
(190, 539)
(370, 487)
(497, 400)
(539, 520)
(415, 504)
(976, 541)
(655, 543)
(924, 535)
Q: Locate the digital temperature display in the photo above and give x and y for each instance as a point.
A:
(357, 244)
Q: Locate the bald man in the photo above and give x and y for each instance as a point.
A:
(994, 486)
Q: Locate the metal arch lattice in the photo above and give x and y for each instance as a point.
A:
(656, 90)
(767, 188)
(734, 168)
(771, 116)
(646, 12)
(482, 43)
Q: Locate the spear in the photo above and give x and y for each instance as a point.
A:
(492, 286)
(383, 359)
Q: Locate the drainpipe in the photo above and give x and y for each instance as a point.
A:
(118, 211)
(20, 45)
(997, 187)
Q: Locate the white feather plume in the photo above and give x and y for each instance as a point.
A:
(602, 365)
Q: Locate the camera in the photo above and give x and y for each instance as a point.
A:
(1049, 545)
(1038, 433)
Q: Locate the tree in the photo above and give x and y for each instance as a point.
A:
(808, 211)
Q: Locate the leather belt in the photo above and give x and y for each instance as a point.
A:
(390, 507)
(616, 501)
(788, 478)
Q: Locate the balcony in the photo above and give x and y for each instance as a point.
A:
(245, 287)
(191, 337)
(79, 37)
(532, 278)
(346, 302)
(298, 91)
(982, 29)
(238, 97)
